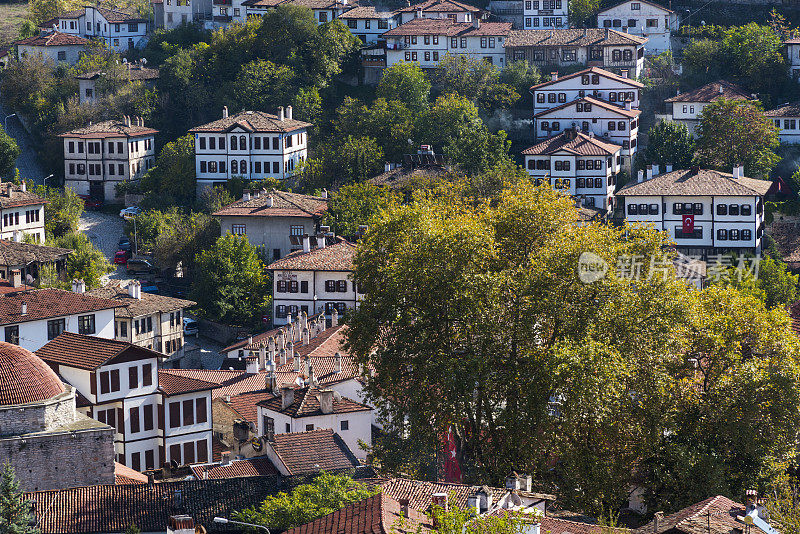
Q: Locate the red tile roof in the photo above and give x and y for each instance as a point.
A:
(715, 515)
(49, 303)
(379, 514)
(245, 404)
(552, 525)
(89, 352)
(312, 451)
(148, 304)
(713, 91)
(439, 5)
(262, 339)
(24, 377)
(283, 205)
(307, 404)
(630, 113)
(112, 128)
(171, 384)
(448, 27)
(250, 467)
(126, 475)
(591, 70)
(577, 143)
(572, 37)
(54, 38)
(659, 6)
(252, 121)
(337, 257)
(704, 182)
(419, 492)
(12, 196)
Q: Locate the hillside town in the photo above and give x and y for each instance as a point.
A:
(375, 266)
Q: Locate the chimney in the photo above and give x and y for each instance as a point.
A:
(127, 120)
(721, 89)
(656, 520)
(288, 112)
(554, 76)
(338, 363)
(323, 231)
(334, 317)
(474, 504)
(326, 401)
(24, 309)
(290, 350)
(324, 193)
(669, 167)
(271, 349)
(387, 167)
(262, 356)
(476, 23)
(306, 243)
(226, 458)
(271, 383)
(623, 73)
(269, 202)
(132, 289)
(246, 194)
(695, 170)
(24, 186)
(287, 397)
(628, 105)
(404, 507)
(419, 12)
(296, 361)
(440, 500)
(180, 524)
(78, 286)
(224, 112)
(281, 115)
(256, 194)
(640, 177)
(17, 236)
(656, 169)
(649, 172)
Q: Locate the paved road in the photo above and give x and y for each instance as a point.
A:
(104, 231)
(28, 161)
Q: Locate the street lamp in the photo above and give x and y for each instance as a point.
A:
(45, 184)
(5, 122)
(226, 521)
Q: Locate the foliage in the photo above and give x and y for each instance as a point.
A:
(172, 179)
(62, 211)
(521, 75)
(773, 283)
(448, 115)
(358, 158)
(389, 122)
(263, 85)
(782, 505)
(16, 512)
(476, 150)
(40, 11)
(9, 152)
(580, 11)
(86, 261)
(407, 83)
(230, 282)
(357, 204)
(476, 79)
(455, 520)
(324, 495)
(733, 132)
(669, 142)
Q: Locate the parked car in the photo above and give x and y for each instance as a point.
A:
(140, 267)
(190, 327)
(130, 213)
(90, 203)
(122, 256)
(124, 244)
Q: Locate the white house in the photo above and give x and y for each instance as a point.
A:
(271, 219)
(21, 213)
(579, 164)
(99, 156)
(368, 23)
(251, 144)
(439, 9)
(119, 30)
(545, 14)
(425, 41)
(640, 17)
(594, 82)
(30, 318)
(612, 123)
(170, 14)
(787, 120)
(725, 211)
(687, 107)
(314, 280)
(187, 421)
(592, 47)
(793, 55)
(52, 45)
(87, 82)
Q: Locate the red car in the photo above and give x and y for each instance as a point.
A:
(122, 256)
(90, 203)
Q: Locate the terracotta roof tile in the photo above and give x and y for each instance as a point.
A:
(786, 110)
(54, 38)
(89, 352)
(337, 257)
(250, 467)
(112, 128)
(245, 404)
(252, 121)
(574, 142)
(261, 339)
(117, 15)
(126, 475)
(147, 305)
(591, 70)
(16, 253)
(630, 113)
(704, 182)
(307, 404)
(366, 12)
(284, 204)
(713, 91)
(439, 5)
(12, 196)
(572, 37)
(424, 26)
(312, 451)
(135, 72)
(642, 1)
(419, 492)
(48, 303)
(171, 384)
(25, 378)
(715, 515)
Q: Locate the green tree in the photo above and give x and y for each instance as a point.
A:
(580, 11)
(262, 85)
(521, 75)
(16, 513)
(475, 79)
(9, 152)
(448, 115)
(172, 180)
(702, 61)
(324, 495)
(389, 122)
(669, 143)
(86, 261)
(736, 131)
(357, 204)
(407, 83)
(358, 158)
(40, 11)
(476, 149)
(230, 282)
(62, 212)
(754, 53)
(772, 283)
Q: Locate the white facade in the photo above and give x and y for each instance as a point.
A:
(432, 10)
(593, 82)
(32, 335)
(642, 18)
(56, 53)
(120, 31)
(544, 14)
(312, 292)
(368, 24)
(188, 439)
(21, 221)
(787, 120)
(793, 56)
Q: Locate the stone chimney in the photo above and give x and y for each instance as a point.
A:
(225, 458)
(180, 524)
(15, 278)
(334, 317)
(132, 289)
(323, 231)
(338, 363)
(387, 167)
(282, 357)
(623, 73)
(246, 194)
(296, 361)
(271, 349)
(281, 114)
(224, 112)
(721, 89)
(306, 243)
(287, 397)
(262, 357)
(290, 350)
(288, 112)
(628, 105)
(326, 401)
(640, 177)
(554, 76)
(269, 201)
(649, 172)
(78, 286)
(657, 517)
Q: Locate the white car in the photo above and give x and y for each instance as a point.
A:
(130, 213)
(190, 327)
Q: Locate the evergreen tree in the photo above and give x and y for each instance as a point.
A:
(16, 514)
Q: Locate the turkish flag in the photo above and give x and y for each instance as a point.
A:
(688, 223)
(452, 471)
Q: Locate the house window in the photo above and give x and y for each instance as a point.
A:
(133, 377)
(746, 209)
(62, 55)
(86, 324)
(174, 414)
(722, 209)
(352, 23)
(733, 209)
(636, 6)
(631, 23)
(309, 428)
(652, 23)
(296, 230)
(239, 229)
(383, 25)
(134, 419)
(697, 233)
(55, 327)
(133, 26)
(147, 374)
(344, 425)
(12, 334)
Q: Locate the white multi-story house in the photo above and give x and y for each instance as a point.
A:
(99, 156)
(787, 120)
(579, 164)
(251, 144)
(793, 55)
(119, 30)
(156, 420)
(594, 82)
(271, 219)
(323, 10)
(52, 45)
(31, 318)
(314, 280)
(545, 14)
(726, 209)
(439, 9)
(612, 123)
(225, 12)
(368, 23)
(644, 18)
(687, 107)
(592, 47)
(425, 41)
(21, 213)
(170, 14)
(87, 82)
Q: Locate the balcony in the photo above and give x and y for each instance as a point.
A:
(374, 61)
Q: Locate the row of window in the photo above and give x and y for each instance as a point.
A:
(114, 147)
(110, 380)
(255, 143)
(619, 126)
(788, 124)
(149, 459)
(188, 412)
(118, 169)
(588, 165)
(147, 418)
(353, 24)
(191, 452)
(546, 4)
(10, 219)
(679, 208)
(560, 98)
(175, 319)
(547, 22)
(86, 326)
(143, 325)
(133, 27)
(632, 23)
(292, 286)
(240, 167)
(31, 216)
(722, 234)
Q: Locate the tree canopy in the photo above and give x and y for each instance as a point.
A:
(16, 513)
(670, 143)
(357, 204)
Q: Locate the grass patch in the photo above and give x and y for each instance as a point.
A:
(11, 17)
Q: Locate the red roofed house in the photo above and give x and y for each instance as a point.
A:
(687, 107)
(439, 9)
(270, 219)
(52, 45)
(99, 156)
(715, 515)
(117, 29)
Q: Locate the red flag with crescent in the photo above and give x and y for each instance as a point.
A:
(688, 223)
(452, 471)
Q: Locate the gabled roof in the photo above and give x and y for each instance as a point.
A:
(250, 467)
(336, 257)
(307, 404)
(659, 6)
(439, 6)
(15, 253)
(252, 121)
(170, 384)
(257, 341)
(703, 182)
(126, 475)
(112, 128)
(591, 70)
(713, 91)
(89, 352)
(572, 37)
(284, 204)
(149, 303)
(379, 514)
(715, 515)
(630, 113)
(577, 143)
(135, 72)
(316, 450)
(117, 15)
(366, 12)
(786, 110)
(419, 493)
(53, 38)
(48, 303)
(12, 196)
(448, 27)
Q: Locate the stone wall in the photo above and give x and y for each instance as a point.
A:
(38, 416)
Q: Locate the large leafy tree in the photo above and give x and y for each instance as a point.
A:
(407, 83)
(357, 204)
(9, 152)
(669, 143)
(446, 117)
(580, 11)
(62, 211)
(475, 79)
(172, 180)
(475, 149)
(262, 85)
(16, 513)
(736, 131)
(521, 75)
(389, 122)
